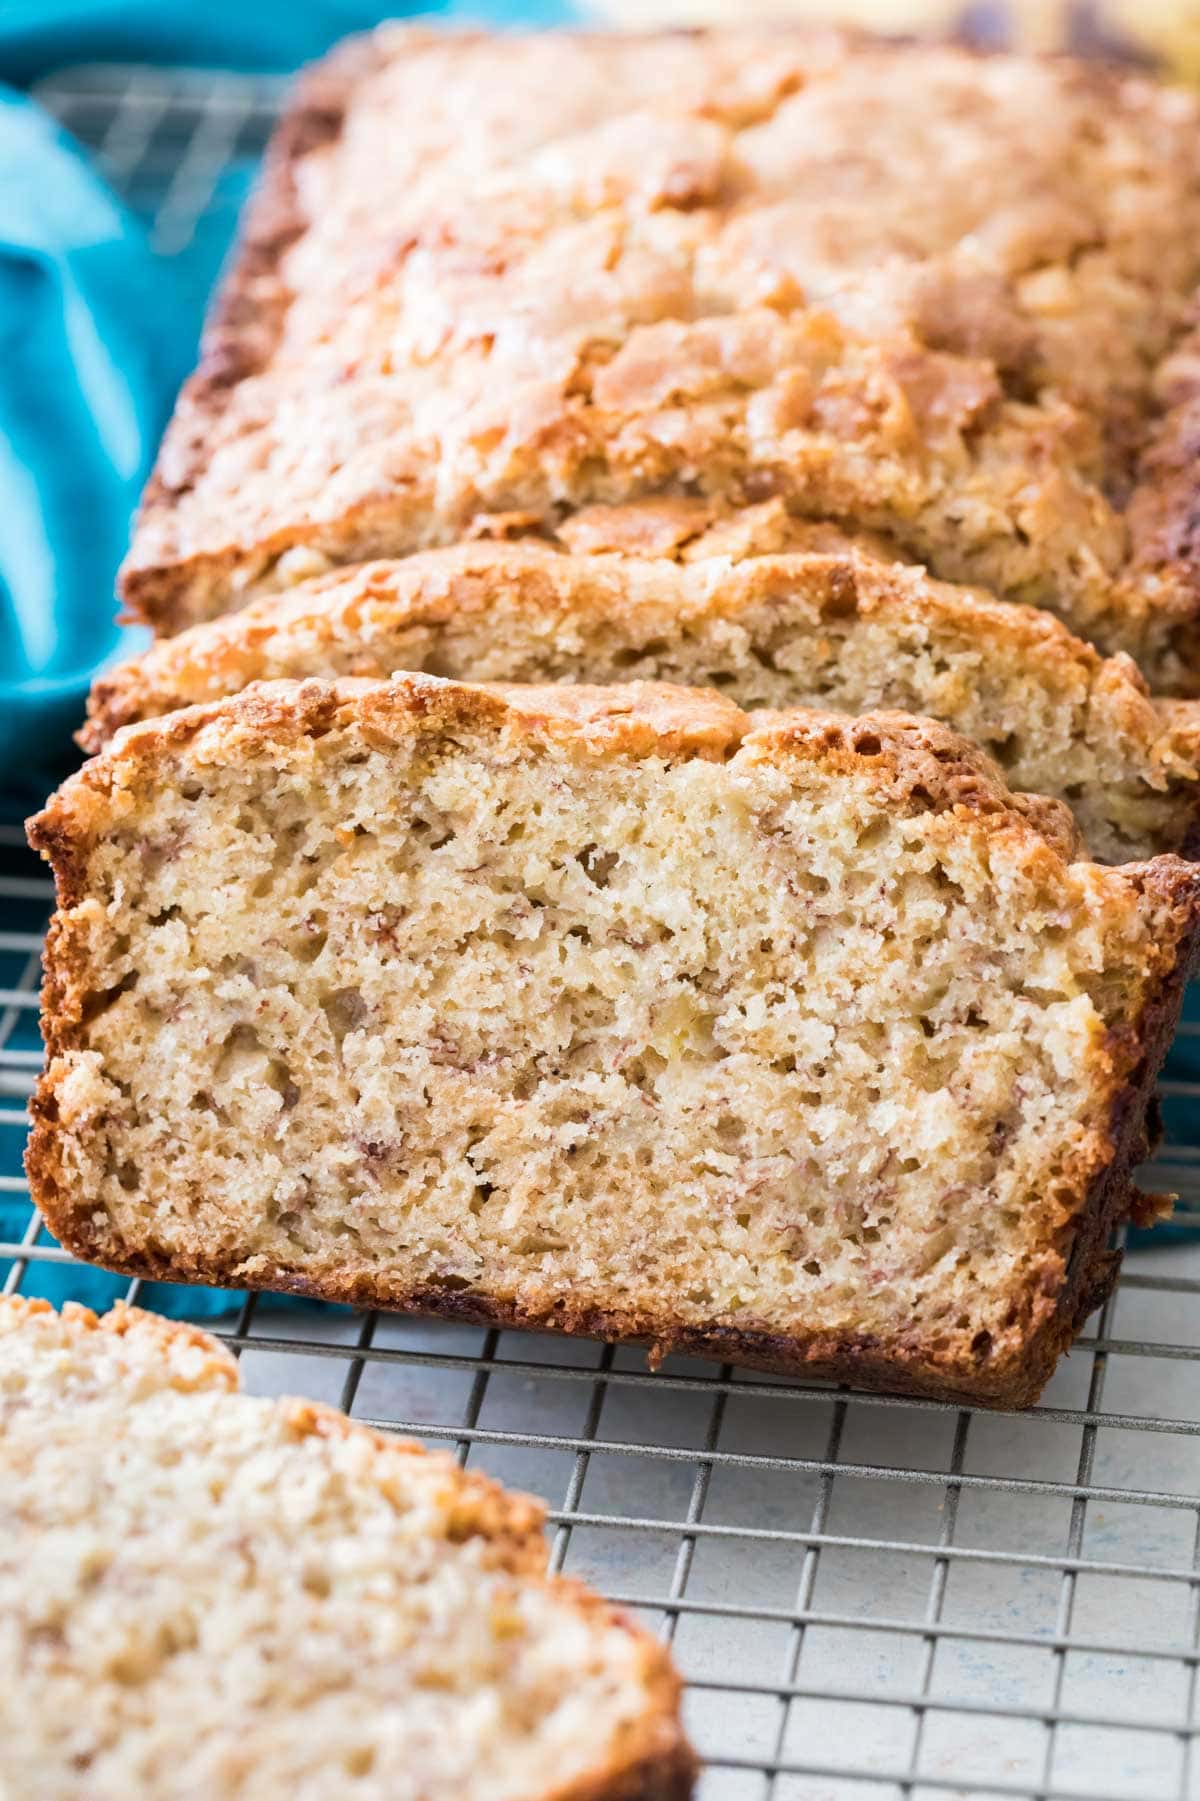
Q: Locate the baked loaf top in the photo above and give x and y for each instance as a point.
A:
(203, 1593)
(384, 991)
(773, 612)
(940, 296)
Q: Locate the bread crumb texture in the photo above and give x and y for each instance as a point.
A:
(771, 612)
(601, 1008)
(202, 1593)
(943, 297)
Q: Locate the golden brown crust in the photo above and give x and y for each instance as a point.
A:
(739, 291)
(1163, 512)
(651, 1759)
(918, 763)
(923, 765)
(211, 1365)
(754, 599)
(920, 766)
(339, 623)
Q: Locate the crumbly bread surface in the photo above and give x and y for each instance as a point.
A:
(822, 624)
(939, 296)
(203, 1593)
(604, 1009)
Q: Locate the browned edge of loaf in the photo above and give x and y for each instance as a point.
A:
(652, 1760)
(240, 331)
(925, 768)
(1163, 509)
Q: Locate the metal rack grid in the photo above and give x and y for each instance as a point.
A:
(871, 1597)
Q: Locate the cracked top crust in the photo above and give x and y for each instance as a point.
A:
(773, 612)
(920, 764)
(940, 297)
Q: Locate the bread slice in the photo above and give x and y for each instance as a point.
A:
(907, 288)
(831, 628)
(209, 1594)
(802, 1042)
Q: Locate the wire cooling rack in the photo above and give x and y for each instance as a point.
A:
(871, 1597)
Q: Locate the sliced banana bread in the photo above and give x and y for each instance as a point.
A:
(829, 627)
(942, 296)
(804, 1043)
(206, 1594)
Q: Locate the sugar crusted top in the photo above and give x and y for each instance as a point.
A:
(910, 289)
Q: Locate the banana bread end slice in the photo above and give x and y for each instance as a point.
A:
(206, 1593)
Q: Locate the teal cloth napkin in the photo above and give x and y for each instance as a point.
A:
(87, 370)
(256, 35)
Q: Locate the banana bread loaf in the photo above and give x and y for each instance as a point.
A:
(206, 1594)
(940, 296)
(829, 626)
(801, 1042)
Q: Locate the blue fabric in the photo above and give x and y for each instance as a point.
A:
(36, 35)
(257, 35)
(88, 372)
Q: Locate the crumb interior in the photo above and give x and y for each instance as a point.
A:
(734, 1041)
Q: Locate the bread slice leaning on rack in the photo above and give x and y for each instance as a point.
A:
(827, 625)
(204, 1593)
(802, 1042)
